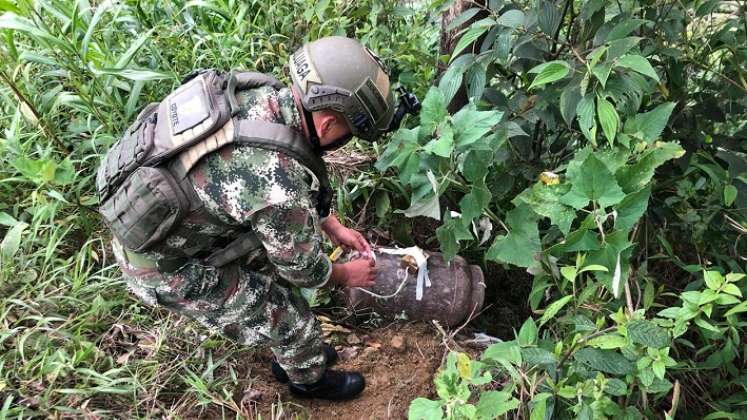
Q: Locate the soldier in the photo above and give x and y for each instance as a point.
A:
(217, 198)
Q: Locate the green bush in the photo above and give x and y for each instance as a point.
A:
(602, 150)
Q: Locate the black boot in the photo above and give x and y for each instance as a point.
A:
(330, 354)
(334, 385)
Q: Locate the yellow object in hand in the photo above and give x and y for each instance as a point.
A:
(335, 255)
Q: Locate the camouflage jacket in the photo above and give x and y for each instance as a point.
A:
(245, 187)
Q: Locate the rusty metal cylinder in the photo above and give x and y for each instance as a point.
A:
(457, 290)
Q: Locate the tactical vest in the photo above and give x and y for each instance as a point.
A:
(142, 182)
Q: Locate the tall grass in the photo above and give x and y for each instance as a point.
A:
(72, 76)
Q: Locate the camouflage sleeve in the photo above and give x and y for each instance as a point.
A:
(291, 236)
(289, 228)
(273, 194)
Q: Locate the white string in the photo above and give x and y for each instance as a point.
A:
(399, 289)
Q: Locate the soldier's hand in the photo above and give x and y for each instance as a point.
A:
(356, 273)
(346, 237)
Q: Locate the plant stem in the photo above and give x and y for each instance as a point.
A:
(560, 25)
(42, 122)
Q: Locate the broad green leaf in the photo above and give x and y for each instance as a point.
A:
(702, 323)
(476, 165)
(528, 333)
(638, 64)
(620, 47)
(12, 241)
(608, 119)
(569, 100)
(602, 72)
(608, 341)
(659, 368)
(554, 308)
(473, 203)
(521, 243)
(450, 233)
(649, 125)
(731, 277)
(512, 19)
(549, 72)
(713, 279)
(538, 356)
(648, 334)
(467, 39)
(470, 125)
(742, 307)
(732, 289)
(637, 176)
(624, 28)
(476, 80)
(451, 81)
(493, 404)
(730, 194)
(403, 144)
(425, 409)
(631, 208)
(579, 240)
(545, 201)
(507, 351)
(548, 17)
(539, 407)
(595, 183)
(427, 206)
(569, 272)
(596, 55)
(707, 7)
(722, 415)
(586, 120)
(444, 144)
(433, 110)
(616, 387)
(462, 18)
(608, 361)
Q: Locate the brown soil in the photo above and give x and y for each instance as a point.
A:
(394, 376)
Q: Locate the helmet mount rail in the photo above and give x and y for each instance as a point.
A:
(408, 104)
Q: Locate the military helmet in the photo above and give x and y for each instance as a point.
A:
(340, 74)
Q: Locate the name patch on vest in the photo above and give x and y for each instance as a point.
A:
(188, 107)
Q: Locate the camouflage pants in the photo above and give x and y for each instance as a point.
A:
(250, 307)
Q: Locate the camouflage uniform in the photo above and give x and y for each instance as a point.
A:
(256, 301)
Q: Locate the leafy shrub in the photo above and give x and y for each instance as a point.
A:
(585, 155)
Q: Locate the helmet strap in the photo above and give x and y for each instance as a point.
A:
(313, 135)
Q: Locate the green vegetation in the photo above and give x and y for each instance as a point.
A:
(73, 74)
(602, 150)
(604, 142)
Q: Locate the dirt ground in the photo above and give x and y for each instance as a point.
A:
(397, 361)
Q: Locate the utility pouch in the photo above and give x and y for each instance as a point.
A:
(144, 208)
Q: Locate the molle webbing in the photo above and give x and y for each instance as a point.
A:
(143, 184)
(265, 135)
